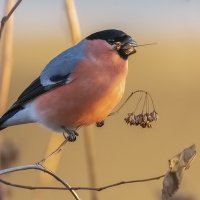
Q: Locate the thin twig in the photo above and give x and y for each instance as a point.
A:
(57, 150)
(152, 101)
(145, 102)
(6, 17)
(132, 93)
(43, 169)
(138, 102)
(98, 189)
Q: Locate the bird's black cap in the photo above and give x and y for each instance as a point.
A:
(106, 34)
(114, 36)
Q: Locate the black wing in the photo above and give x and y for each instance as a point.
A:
(32, 91)
(36, 88)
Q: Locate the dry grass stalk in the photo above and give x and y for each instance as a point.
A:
(90, 156)
(76, 37)
(6, 59)
(73, 21)
(5, 73)
(89, 147)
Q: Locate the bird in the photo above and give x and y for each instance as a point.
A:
(79, 87)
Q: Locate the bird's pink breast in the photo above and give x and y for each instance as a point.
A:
(96, 88)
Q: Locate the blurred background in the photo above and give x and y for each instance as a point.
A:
(169, 70)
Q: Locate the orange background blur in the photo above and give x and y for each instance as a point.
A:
(170, 71)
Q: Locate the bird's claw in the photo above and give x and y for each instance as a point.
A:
(100, 124)
(71, 135)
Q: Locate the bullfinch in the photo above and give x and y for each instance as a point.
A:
(78, 87)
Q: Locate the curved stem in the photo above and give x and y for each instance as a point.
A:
(40, 168)
(98, 189)
(151, 101)
(145, 102)
(138, 102)
(132, 93)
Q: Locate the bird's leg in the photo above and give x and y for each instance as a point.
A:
(71, 134)
(100, 124)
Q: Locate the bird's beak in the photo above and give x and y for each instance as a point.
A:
(128, 46)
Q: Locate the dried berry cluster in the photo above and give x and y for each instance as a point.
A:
(144, 120)
(145, 109)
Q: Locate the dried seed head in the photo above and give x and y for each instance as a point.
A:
(140, 118)
(137, 120)
(154, 115)
(143, 105)
(132, 120)
(149, 125)
(129, 118)
(145, 118)
(149, 117)
(143, 125)
(100, 124)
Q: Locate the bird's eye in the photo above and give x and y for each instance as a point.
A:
(111, 41)
(118, 45)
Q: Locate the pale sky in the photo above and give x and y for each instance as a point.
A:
(155, 17)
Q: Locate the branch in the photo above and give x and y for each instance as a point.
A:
(40, 168)
(128, 98)
(57, 150)
(67, 187)
(6, 17)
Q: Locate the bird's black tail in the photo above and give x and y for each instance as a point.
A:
(1, 128)
(1, 123)
(11, 112)
(2, 120)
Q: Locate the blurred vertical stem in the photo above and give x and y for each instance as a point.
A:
(5, 75)
(6, 58)
(90, 158)
(73, 21)
(76, 37)
(89, 141)
(89, 147)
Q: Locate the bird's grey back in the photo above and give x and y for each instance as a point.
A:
(64, 63)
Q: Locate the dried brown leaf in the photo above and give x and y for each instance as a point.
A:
(177, 165)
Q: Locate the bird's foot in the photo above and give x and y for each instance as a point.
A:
(100, 124)
(70, 134)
